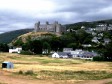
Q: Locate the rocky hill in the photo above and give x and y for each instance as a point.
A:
(33, 36)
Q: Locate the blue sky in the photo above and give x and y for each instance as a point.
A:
(21, 14)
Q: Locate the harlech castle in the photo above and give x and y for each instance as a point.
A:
(53, 28)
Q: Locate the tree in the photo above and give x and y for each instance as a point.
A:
(107, 34)
(26, 46)
(55, 44)
(46, 48)
(83, 37)
(4, 47)
(36, 46)
(66, 39)
(72, 45)
(107, 53)
(18, 42)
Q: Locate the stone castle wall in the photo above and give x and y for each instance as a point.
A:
(54, 28)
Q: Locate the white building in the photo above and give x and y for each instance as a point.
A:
(83, 54)
(17, 50)
(95, 40)
(76, 53)
(59, 55)
(86, 45)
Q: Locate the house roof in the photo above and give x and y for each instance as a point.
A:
(90, 54)
(107, 39)
(62, 53)
(6, 62)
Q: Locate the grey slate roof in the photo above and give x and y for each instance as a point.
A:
(62, 53)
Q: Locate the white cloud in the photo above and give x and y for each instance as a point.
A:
(28, 7)
(17, 14)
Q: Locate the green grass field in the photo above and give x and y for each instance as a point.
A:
(46, 68)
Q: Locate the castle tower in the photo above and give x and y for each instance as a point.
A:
(46, 26)
(47, 23)
(37, 26)
(54, 26)
(58, 28)
(56, 22)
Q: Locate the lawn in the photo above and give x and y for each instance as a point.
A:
(47, 68)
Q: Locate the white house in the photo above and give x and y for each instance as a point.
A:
(17, 50)
(83, 54)
(60, 55)
(106, 41)
(83, 27)
(86, 45)
(55, 55)
(76, 53)
(95, 39)
(88, 55)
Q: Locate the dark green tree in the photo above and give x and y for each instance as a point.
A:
(4, 47)
(55, 44)
(83, 37)
(72, 45)
(46, 48)
(26, 46)
(36, 46)
(18, 42)
(107, 52)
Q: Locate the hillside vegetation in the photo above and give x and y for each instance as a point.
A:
(7, 37)
(87, 24)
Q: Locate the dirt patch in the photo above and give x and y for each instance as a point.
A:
(5, 77)
(104, 81)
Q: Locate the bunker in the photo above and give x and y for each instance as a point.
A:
(8, 65)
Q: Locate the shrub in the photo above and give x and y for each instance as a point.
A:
(98, 58)
(20, 72)
(26, 53)
(29, 72)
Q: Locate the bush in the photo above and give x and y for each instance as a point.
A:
(26, 53)
(29, 72)
(20, 72)
(98, 58)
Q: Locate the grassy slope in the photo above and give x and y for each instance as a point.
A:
(34, 35)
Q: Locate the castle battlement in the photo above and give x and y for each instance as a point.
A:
(54, 28)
